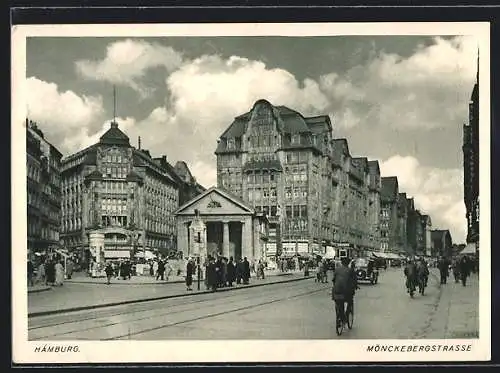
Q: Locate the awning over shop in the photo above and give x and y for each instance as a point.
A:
(112, 254)
(148, 254)
(470, 248)
(386, 255)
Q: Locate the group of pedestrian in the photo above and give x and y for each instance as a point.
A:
(416, 273)
(50, 271)
(122, 269)
(221, 272)
(462, 268)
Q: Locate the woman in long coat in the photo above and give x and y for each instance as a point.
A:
(59, 274)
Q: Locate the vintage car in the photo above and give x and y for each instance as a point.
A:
(366, 270)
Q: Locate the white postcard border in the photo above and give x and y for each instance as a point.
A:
(238, 351)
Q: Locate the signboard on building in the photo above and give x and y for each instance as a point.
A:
(271, 248)
(302, 247)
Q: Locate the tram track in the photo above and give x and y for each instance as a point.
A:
(144, 311)
(204, 317)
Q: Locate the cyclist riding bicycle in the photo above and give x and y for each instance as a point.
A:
(344, 286)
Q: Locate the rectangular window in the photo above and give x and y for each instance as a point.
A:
(303, 211)
(273, 193)
(273, 210)
(288, 210)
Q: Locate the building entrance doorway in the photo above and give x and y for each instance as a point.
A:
(235, 231)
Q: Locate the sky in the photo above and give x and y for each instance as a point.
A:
(401, 100)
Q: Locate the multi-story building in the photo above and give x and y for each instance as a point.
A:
(414, 229)
(402, 242)
(359, 177)
(426, 228)
(43, 163)
(471, 165)
(389, 224)
(289, 167)
(374, 207)
(442, 243)
(117, 200)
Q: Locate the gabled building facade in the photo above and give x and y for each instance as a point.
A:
(442, 243)
(279, 162)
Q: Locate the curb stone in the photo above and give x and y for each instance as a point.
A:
(83, 308)
(39, 290)
(125, 282)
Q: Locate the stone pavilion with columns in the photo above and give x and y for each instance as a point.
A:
(219, 223)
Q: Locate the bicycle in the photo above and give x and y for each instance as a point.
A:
(345, 317)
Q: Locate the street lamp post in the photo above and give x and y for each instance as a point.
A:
(198, 271)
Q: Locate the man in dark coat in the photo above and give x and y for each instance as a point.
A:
(239, 271)
(161, 270)
(410, 272)
(31, 272)
(218, 264)
(212, 274)
(443, 269)
(344, 286)
(464, 269)
(246, 271)
(231, 272)
(50, 272)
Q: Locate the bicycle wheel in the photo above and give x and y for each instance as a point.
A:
(339, 327)
(350, 318)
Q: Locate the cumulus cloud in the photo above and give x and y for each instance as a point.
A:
(437, 192)
(425, 90)
(127, 61)
(63, 115)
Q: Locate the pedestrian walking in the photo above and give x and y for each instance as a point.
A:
(69, 269)
(161, 270)
(246, 271)
(224, 272)
(40, 274)
(212, 274)
(231, 272)
(59, 274)
(239, 271)
(50, 271)
(443, 270)
(31, 272)
(190, 269)
(109, 272)
(464, 270)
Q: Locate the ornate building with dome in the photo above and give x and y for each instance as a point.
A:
(118, 201)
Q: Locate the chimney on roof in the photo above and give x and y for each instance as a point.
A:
(139, 142)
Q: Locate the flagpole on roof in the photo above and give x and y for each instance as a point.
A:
(114, 103)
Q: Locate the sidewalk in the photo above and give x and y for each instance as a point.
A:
(457, 312)
(80, 296)
(38, 288)
(463, 315)
(82, 278)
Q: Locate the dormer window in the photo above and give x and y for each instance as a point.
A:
(231, 144)
(296, 139)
